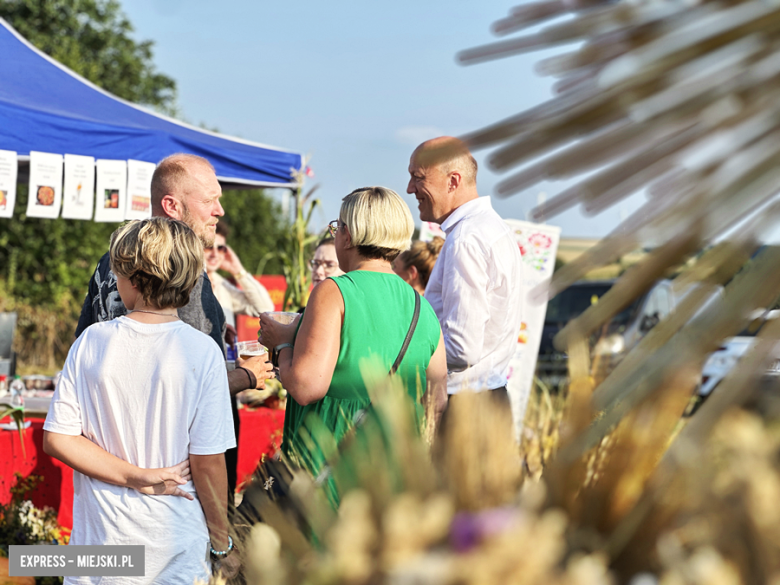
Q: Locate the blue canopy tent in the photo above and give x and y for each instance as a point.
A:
(46, 107)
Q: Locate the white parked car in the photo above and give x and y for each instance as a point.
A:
(721, 361)
(621, 334)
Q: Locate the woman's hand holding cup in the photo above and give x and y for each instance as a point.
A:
(274, 331)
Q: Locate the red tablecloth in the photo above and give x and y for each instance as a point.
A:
(261, 434)
(56, 489)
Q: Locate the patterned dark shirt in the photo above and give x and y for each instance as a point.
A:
(103, 304)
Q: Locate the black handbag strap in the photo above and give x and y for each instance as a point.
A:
(409, 334)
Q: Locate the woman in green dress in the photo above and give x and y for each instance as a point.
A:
(362, 315)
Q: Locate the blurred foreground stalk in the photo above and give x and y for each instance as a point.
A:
(468, 512)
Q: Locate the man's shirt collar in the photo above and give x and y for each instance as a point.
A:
(462, 212)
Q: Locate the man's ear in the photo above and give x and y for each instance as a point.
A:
(172, 207)
(454, 181)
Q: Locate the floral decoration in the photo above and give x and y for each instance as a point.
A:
(523, 335)
(535, 247)
(22, 523)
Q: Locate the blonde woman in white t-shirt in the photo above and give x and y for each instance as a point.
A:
(143, 407)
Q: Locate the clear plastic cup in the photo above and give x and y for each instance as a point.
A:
(250, 349)
(283, 317)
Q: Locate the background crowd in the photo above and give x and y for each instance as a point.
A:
(442, 317)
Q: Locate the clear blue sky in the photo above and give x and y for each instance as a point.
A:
(355, 84)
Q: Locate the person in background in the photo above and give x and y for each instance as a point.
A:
(184, 187)
(325, 262)
(475, 286)
(363, 314)
(251, 299)
(163, 400)
(415, 265)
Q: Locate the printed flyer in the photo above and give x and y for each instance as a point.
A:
(139, 189)
(78, 191)
(45, 195)
(111, 192)
(8, 172)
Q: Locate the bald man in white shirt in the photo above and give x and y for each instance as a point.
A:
(475, 285)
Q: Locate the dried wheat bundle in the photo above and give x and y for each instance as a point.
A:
(679, 99)
(461, 515)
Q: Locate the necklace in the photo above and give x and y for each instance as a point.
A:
(154, 313)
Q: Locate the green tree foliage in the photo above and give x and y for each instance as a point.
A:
(92, 37)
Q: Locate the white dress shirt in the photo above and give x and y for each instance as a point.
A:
(474, 289)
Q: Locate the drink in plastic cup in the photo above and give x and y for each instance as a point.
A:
(250, 349)
(283, 317)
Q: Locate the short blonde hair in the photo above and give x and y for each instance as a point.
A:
(379, 222)
(162, 257)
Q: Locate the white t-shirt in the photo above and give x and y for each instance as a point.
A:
(151, 395)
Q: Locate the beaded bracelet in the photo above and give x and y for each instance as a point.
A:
(221, 554)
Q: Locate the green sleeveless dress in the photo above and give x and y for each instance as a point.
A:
(378, 311)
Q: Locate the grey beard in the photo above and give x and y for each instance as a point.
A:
(206, 239)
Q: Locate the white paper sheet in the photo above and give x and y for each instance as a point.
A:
(45, 195)
(111, 193)
(139, 189)
(78, 192)
(8, 170)
(538, 246)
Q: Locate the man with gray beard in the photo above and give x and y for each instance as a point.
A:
(184, 187)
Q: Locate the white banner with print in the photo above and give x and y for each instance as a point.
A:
(430, 230)
(538, 246)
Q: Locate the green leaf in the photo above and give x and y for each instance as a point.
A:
(17, 414)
